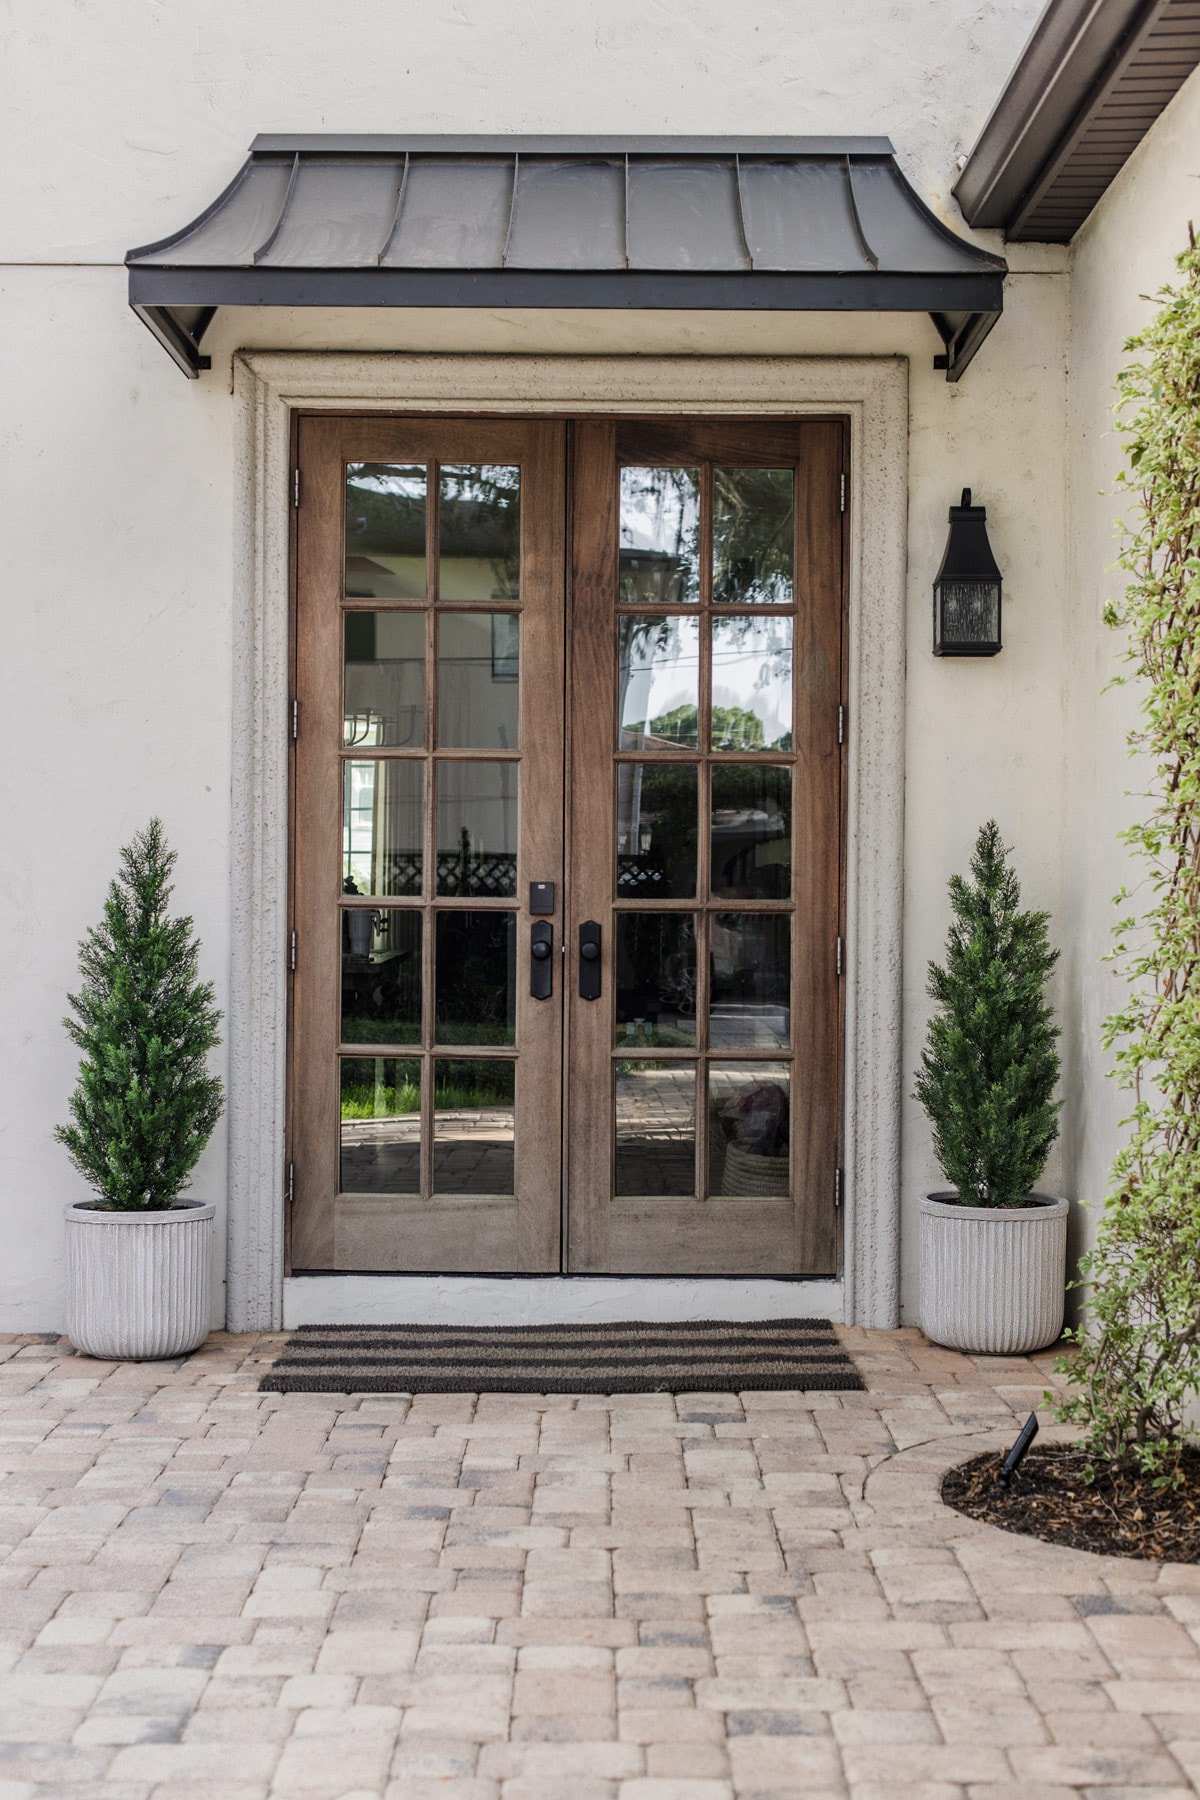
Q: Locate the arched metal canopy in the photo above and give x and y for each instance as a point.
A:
(704, 224)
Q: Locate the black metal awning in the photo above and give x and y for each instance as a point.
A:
(703, 224)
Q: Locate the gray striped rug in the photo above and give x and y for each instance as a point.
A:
(706, 1356)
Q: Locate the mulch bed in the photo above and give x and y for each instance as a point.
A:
(1049, 1499)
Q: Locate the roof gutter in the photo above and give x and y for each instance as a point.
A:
(1100, 70)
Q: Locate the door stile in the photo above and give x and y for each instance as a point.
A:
(817, 858)
(592, 661)
(318, 799)
(539, 1095)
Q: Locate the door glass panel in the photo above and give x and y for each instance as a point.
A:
(656, 978)
(477, 828)
(478, 687)
(385, 531)
(660, 535)
(474, 1127)
(753, 534)
(381, 1126)
(749, 984)
(655, 1116)
(479, 532)
(382, 827)
(384, 679)
(381, 976)
(749, 1129)
(751, 831)
(659, 682)
(656, 830)
(475, 957)
(752, 684)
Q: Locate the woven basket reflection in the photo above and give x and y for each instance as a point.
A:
(760, 1177)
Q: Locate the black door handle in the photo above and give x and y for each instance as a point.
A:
(589, 960)
(541, 959)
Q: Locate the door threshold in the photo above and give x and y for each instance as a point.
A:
(550, 1299)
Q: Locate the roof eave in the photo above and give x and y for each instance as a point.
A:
(1078, 57)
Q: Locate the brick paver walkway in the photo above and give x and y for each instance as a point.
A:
(205, 1591)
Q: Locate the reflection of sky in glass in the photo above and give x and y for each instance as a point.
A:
(752, 672)
(387, 478)
(660, 672)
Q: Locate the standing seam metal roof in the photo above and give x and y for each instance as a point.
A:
(781, 224)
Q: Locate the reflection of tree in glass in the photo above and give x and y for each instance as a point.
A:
(481, 519)
(385, 509)
(753, 534)
(660, 534)
(734, 728)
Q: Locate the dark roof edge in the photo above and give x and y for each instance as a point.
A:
(505, 144)
(1076, 53)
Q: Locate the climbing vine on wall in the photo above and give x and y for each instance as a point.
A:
(1137, 1363)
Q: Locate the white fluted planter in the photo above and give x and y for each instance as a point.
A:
(139, 1284)
(993, 1278)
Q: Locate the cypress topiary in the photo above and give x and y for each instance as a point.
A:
(990, 1065)
(144, 1105)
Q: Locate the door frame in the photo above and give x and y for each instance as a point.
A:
(270, 390)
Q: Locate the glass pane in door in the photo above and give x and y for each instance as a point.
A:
(478, 674)
(380, 1126)
(474, 1126)
(655, 1113)
(385, 531)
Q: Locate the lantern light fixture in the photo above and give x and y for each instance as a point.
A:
(966, 589)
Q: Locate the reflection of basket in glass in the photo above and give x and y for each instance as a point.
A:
(757, 1176)
(755, 1126)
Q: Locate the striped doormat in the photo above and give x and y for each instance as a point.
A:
(706, 1356)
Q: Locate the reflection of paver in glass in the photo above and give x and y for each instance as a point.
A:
(749, 1027)
(655, 1127)
(381, 1156)
(473, 1153)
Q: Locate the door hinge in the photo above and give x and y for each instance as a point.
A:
(291, 1182)
(839, 953)
(292, 954)
(837, 1187)
(841, 725)
(296, 721)
(841, 492)
(295, 487)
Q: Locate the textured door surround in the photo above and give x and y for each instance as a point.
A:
(873, 393)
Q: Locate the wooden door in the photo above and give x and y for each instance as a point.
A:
(706, 847)
(425, 1074)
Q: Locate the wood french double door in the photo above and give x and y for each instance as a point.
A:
(567, 823)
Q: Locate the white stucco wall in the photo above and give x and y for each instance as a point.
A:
(1125, 252)
(116, 474)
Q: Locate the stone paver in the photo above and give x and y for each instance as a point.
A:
(208, 1592)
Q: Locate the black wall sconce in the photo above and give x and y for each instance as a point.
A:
(966, 589)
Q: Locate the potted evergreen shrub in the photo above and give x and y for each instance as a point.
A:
(992, 1251)
(139, 1258)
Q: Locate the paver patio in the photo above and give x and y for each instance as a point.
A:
(205, 1591)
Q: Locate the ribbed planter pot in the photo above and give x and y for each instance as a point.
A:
(139, 1284)
(993, 1278)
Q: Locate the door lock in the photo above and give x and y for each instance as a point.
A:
(541, 960)
(589, 960)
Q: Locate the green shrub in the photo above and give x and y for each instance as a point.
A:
(144, 1106)
(1137, 1361)
(990, 1064)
